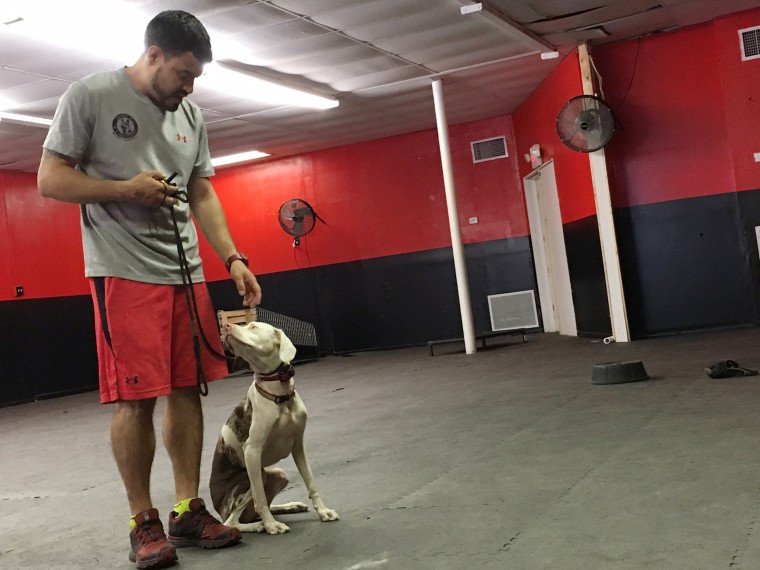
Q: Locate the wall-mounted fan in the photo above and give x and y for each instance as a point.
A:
(297, 218)
(585, 123)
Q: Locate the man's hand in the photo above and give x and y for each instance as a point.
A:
(246, 284)
(59, 179)
(148, 189)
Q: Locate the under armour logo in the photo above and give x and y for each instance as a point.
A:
(132, 379)
(181, 138)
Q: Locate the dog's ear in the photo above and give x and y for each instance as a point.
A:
(287, 350)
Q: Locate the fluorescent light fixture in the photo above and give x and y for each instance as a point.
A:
(241, 157)
(28, 119)
(242, 84)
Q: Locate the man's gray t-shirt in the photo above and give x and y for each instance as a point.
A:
(115, 132)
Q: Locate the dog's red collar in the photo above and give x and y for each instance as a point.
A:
(277, 399)
(283, 374)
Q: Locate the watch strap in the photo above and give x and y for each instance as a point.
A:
(236, 257)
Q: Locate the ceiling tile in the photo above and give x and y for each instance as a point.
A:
(372, 11)
(687, 13)
(378, 56)
(311, 7)
(613, 12)
(368, 81)
(248, 17)
(271, 38)
(411, 23)
(9, 78)
(33, 92)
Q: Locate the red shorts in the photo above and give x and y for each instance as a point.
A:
(144, 338)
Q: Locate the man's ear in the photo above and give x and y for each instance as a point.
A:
(287, 350)
(154, 54)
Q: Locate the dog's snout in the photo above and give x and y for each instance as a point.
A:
(226, 331)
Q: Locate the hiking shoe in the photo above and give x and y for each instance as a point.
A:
(197, 527)
(150, 547)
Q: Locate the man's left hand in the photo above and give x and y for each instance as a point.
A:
(246, 283)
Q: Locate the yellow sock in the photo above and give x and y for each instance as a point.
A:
(182, 507)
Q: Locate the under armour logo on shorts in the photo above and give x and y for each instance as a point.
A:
(132, 379)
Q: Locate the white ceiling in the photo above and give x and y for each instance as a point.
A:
(377, 57)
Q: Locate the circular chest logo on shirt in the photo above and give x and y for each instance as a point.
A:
(124, 126)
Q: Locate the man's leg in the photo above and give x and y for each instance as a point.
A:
(134, 444)
(190, 524)
(183, 438)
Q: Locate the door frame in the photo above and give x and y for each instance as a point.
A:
(549, 253)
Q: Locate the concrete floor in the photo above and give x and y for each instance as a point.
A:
(510, 458)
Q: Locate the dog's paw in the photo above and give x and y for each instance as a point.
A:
(327, 515)
(289, 508)
(275, 527)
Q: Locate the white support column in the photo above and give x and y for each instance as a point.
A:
(606, 221)
(460, 265)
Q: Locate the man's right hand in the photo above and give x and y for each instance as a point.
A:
(59, 179)
(148, 189)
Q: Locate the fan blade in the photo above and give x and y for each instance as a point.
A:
(308, 224)
(303, 211)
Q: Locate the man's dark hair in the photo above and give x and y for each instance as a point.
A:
(177, 32)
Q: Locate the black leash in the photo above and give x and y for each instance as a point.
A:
(187, 285)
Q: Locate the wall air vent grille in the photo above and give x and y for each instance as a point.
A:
(511, 311)
(749, 39)
(489, 149)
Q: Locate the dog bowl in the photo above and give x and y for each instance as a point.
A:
(619, 372)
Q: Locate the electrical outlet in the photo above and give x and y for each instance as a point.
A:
(474, 220)
(757, 156)
(19, 290)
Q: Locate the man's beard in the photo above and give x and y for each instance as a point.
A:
(166, 101)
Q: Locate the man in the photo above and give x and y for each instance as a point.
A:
(115, 139)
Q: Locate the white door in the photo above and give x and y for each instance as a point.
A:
(549, 255)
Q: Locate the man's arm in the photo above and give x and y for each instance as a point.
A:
(209, 214)
(59, 179)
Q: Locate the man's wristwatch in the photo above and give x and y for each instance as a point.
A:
(236, 257)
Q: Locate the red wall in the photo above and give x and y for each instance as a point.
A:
(378, 198)
(41, 242)
(535, 123)
(741, 90)
(690, 118)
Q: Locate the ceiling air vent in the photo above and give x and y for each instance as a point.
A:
(750, 43)
(489, 149)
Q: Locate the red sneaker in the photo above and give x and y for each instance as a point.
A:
(197, 527)
(150, 547)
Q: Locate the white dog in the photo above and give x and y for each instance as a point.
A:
(267, 426)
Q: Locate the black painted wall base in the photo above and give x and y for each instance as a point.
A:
(47, 348)
(690, 264)
(397, 301)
